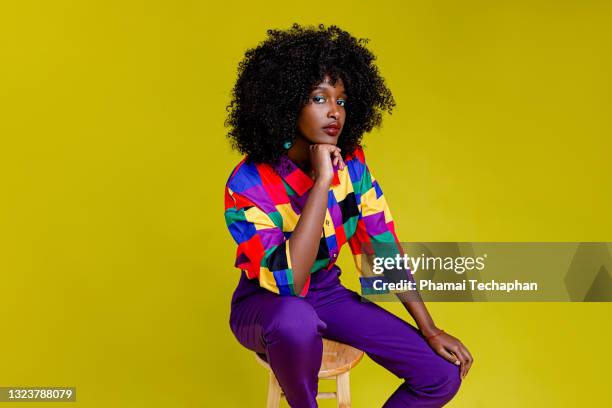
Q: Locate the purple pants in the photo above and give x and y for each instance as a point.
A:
(287, 332)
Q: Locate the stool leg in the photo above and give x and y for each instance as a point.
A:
(343, 389)
(274, 392)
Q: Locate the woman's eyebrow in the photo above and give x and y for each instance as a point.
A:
(326, 87)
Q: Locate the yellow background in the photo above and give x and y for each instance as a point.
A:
(116, 264)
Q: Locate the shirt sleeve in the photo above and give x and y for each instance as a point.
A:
(375, 235)
(263, 250)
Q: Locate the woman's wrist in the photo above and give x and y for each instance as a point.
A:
(430, 331)
(431, 336)
(322, 183)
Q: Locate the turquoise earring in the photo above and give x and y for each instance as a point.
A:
(287, 144)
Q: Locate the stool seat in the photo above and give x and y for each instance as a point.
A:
(337, 360)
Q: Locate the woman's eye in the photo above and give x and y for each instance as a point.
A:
(341, 102)
(318, 99)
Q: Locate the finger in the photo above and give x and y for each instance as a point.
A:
(442, 351)
(464, 361)
(338, 154)
(470, 359)
(337, 157)
(467, 352)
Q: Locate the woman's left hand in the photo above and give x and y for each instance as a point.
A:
(451, 349)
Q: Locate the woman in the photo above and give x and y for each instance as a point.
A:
(302, 102)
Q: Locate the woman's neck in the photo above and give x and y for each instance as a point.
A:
(299, 153)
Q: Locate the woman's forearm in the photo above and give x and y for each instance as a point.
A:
(416, 307)
(305, 239)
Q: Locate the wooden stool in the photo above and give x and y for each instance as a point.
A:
(338, 359)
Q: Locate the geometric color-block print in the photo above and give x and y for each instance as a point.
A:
(263, 203)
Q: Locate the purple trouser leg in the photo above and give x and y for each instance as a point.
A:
(289, 331)
(429, 379)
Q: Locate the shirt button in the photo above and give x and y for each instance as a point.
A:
(335, 255)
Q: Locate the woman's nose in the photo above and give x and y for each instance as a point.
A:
(333, 111)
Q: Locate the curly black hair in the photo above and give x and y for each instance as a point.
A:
(276, 77)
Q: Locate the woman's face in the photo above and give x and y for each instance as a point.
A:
(321, 120)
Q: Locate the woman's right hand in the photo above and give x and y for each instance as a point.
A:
(322, 159)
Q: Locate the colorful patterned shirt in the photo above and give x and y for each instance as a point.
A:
(263, 203)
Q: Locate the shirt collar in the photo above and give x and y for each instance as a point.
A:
(297, 179)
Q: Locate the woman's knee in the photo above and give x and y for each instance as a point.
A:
(443, 382)
(452, 382)
(294, 321)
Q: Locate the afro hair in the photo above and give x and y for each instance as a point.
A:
(276, 77)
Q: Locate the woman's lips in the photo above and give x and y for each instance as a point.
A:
(332, 130)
